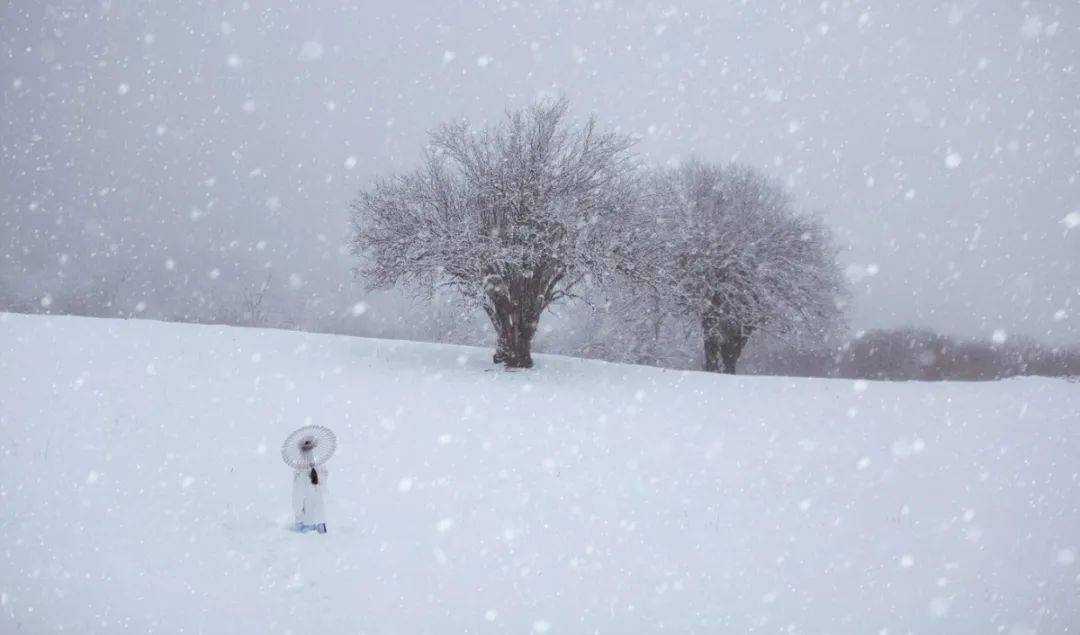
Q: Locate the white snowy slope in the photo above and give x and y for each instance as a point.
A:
(141, 490)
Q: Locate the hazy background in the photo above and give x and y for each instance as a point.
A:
(173, 152)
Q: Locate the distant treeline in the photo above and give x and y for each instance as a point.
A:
(916, 354)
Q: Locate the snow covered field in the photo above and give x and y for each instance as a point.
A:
(142, 490)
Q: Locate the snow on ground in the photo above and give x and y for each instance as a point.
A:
(142, 490)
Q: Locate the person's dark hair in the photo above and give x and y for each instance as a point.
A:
(314, 477)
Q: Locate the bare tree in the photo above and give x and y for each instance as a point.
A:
(252, 298)
(728, 252)
(513, 216)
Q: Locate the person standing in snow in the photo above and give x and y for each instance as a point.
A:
(309, 484)
(306, 451)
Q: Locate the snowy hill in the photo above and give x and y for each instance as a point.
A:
(142, 491)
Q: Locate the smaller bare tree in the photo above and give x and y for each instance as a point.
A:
(728, 252)
(252, 299)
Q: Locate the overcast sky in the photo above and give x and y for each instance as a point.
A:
(200, 141)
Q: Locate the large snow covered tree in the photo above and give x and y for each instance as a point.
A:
(728, 252)
(514, 216)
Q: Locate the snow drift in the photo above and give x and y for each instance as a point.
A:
(142, 490)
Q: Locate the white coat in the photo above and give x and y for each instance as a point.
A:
(308, 497)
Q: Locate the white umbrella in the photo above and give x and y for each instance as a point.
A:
(309, 446)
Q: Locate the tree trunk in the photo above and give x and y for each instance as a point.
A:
(517, 348)
(724, 343)
(514, 326)
(712, 353)
(730, 349)
(514, 346)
